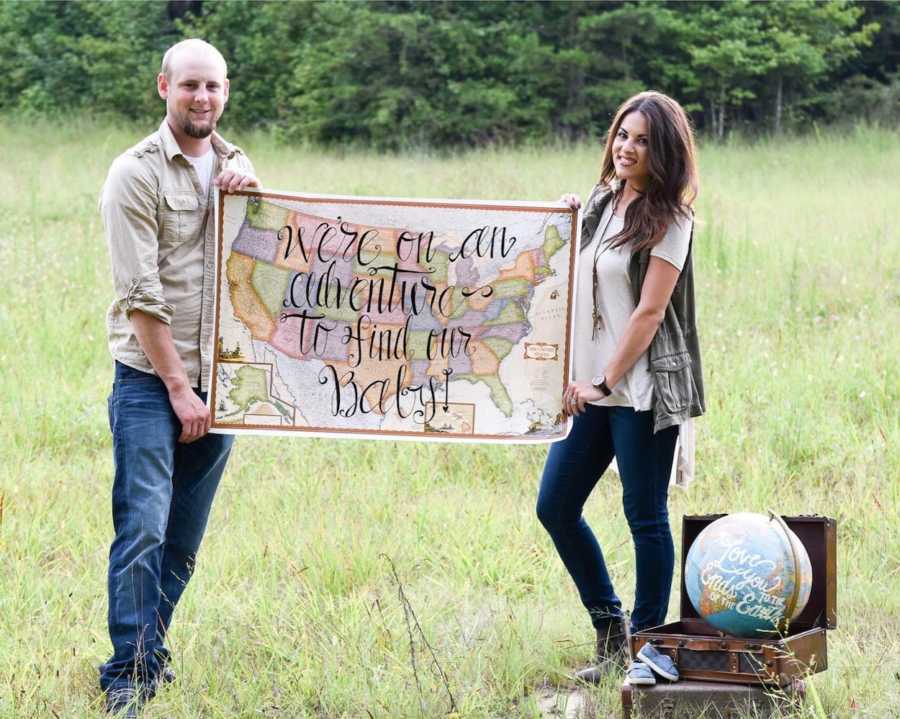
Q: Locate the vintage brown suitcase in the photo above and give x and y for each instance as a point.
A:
(710, 700)
(704, 653)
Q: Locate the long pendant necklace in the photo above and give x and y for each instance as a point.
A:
(596, 317)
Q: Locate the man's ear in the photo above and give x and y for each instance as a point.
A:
(162, 85)
(226, 87)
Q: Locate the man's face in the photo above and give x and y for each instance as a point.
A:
(195, 92)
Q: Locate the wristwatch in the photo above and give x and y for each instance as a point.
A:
(599, 382)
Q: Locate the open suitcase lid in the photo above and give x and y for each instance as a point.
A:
(819, 537)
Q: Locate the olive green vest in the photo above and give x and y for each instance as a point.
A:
(675, 349)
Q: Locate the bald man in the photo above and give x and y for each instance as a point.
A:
(156, 207)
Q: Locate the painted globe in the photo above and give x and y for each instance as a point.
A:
(745, 571)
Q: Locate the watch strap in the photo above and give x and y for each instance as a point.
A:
(602, 386)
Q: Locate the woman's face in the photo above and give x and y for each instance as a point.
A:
(630, 150)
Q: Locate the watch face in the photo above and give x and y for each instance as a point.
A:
(597, 381)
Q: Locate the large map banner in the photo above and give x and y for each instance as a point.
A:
(376, 317)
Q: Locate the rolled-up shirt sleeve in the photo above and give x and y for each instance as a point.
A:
(128, 207)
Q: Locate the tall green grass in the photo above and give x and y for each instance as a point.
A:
(295, 610)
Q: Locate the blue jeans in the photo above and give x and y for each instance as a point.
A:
(161, 499)
(573, 468)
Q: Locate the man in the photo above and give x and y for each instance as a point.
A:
(157, 208)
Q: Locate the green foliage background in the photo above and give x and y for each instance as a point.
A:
(403, 73)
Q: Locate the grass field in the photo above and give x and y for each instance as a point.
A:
(295, 610)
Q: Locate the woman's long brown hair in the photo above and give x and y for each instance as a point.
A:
(673, 182)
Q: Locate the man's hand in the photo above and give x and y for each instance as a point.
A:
(231, 181)
(191, 412)
(155, 338)
(577, 395)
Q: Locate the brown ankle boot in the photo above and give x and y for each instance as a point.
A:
(612, 641)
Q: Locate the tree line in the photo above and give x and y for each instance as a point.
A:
(400, 73)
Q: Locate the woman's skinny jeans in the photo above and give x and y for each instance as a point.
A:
(572, 469)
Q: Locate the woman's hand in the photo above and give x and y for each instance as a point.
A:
(573, 201)
(577, 395)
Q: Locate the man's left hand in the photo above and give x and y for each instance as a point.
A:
(231, 181)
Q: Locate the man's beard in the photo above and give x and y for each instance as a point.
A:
(198, 131)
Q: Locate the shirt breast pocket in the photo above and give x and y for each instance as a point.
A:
(181, 217)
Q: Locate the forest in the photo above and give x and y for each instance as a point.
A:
(404, 73)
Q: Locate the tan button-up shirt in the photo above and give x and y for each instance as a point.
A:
(159, 228)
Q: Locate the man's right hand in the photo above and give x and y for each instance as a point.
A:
(155, 339)
(191, 412)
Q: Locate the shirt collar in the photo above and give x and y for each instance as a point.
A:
(170, 146)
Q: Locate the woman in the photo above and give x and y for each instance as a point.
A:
(637, 362)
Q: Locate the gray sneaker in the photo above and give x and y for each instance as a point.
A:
(660, 663)
(639, 674)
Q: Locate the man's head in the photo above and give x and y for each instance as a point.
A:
(193, 81)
